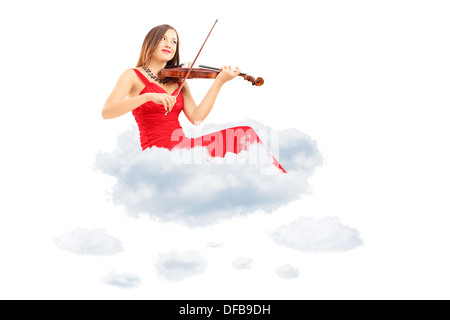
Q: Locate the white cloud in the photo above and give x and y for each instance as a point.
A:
(122, 280)
(214, 245)
(89, 242)
(322, 235)
(242, 263)
(176, 266)
(160, 183)
(287, 272)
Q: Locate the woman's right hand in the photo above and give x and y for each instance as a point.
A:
(167, 100)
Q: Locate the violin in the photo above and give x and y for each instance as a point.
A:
(203, 72)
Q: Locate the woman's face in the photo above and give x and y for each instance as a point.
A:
(167, 46)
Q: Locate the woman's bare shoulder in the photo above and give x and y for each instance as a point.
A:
(128, 73)
(129, 77)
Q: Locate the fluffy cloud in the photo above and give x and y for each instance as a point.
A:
(322, 235)
(190, 187)
(176, 266)
(123, 280)
(287, 272)
(89, 242)
(214, 245)
(242, 263)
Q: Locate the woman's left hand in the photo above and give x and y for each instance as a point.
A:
(228, 73)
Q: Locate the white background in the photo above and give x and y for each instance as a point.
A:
(368, 80)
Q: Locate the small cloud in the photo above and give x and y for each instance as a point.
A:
(123, 280)
(214, 245)
(89, 242)
(287, 272)
(176, 266)
(242, 263)
(203, 190)
(322, 235)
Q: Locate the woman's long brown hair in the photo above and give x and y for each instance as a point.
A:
(151, 41)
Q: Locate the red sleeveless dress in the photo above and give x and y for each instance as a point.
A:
(164, 131)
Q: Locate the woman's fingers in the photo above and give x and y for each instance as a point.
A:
(228, 72)
(171, 102)
(168, 101)
(164, 103)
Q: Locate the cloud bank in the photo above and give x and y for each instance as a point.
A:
(122, 280)
(190, 187)
(176, 266)
(322, 235)
(89, 242)
(287, 272)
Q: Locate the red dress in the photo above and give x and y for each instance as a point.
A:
(164, 131)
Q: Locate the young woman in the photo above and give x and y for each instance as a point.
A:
(156, 109)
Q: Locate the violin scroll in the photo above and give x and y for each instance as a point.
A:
(258, 82)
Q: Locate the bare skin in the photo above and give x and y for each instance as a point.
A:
(125, 96)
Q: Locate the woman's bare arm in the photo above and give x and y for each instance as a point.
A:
(119, 102)
(196, 114)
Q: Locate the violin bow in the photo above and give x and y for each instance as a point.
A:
(192, 65)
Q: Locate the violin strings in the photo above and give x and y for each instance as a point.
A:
(210, 68)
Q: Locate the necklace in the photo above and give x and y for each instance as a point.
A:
(151, 75)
